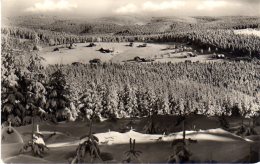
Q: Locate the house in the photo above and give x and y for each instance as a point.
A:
(138, 59)
(131, 44)
(72, 46)
(105, 50)
(56, 49)
(91, 45)
(95, 61)
(76, 63)
(142, 45)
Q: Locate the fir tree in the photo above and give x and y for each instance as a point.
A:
(58, 96)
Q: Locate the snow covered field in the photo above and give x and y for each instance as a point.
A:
(248, 32)
(121, 53)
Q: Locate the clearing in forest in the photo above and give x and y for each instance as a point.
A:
(121, 52)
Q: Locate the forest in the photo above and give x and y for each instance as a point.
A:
(109, 90)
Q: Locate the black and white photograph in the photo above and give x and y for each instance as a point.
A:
(130, 81)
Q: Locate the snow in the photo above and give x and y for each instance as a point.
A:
(122, 53)
(14, 137)
(49, 132)
(218, 130)
(38, 140)
(211, 134)
(24, 159)
(248, 32)
(114, 137)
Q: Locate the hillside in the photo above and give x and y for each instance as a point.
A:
(119, 24)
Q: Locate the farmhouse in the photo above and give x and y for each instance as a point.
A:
(76, 63)
(95, 61)
(91, 44)
(142, 45)
(131, 44)
(56, 49)
(139, 59)
(105, 50)
(72, 45)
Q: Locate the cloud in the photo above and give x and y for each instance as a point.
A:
(129, 8)
(152, 6)
(213, 4)
(51, 5)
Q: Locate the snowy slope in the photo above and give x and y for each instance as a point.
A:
(113, 137)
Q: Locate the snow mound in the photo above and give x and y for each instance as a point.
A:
(38, 140)
(10, 135)
(25, 159)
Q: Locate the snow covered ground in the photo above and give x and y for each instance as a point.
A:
(212, 144)
(113, 137)
(121, 53)
(248, 32)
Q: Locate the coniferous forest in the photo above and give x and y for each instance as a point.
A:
(165, 102)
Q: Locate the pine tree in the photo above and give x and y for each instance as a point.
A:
(130, 101)
(11, 96)
(90, 104)
(36, 92)
(58, 96)
(166, 108)
(112, 103)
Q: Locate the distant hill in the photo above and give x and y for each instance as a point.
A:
(124, 20)
(126, 25)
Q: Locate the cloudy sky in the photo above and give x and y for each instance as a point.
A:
(131, 7)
